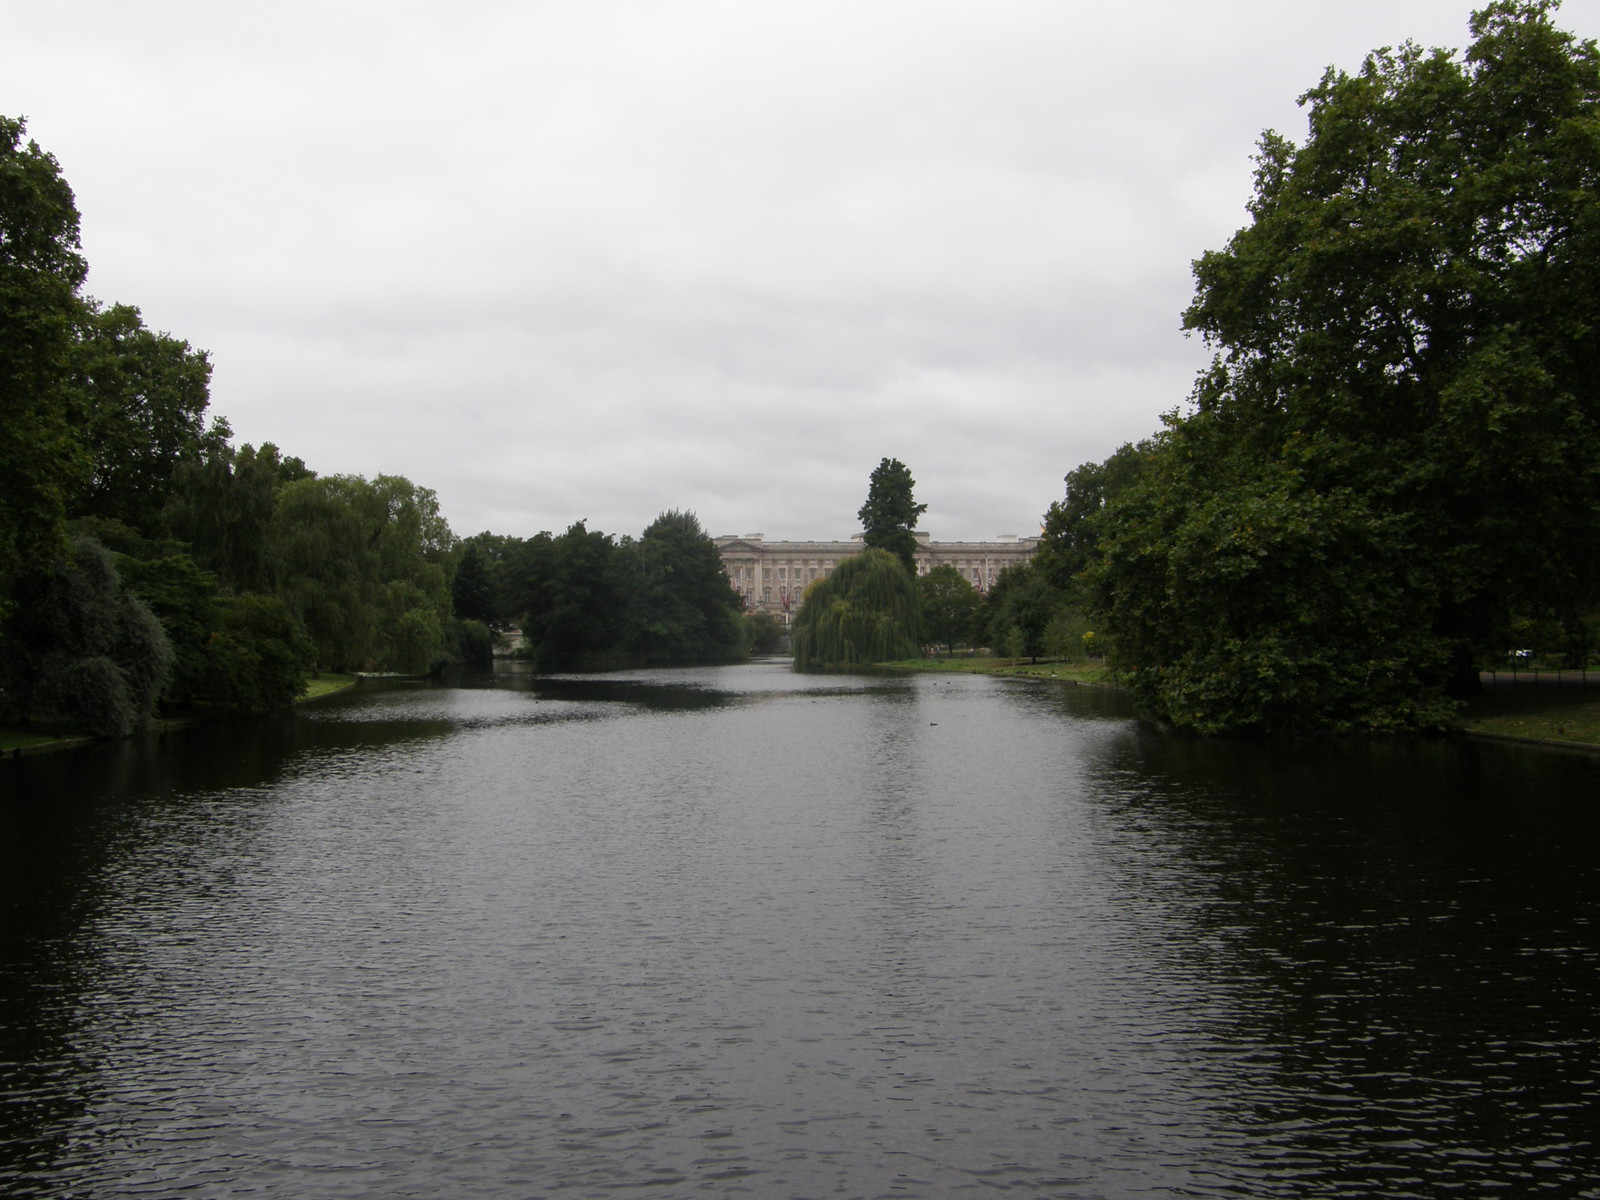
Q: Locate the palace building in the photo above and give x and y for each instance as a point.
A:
(772, 576)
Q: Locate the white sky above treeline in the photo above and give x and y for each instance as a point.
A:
(598, 260)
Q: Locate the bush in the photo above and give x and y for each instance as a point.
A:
(259, 658)
(469, 643)
(81, 651)
(90, 694)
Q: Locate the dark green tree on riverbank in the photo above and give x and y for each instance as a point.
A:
(365, 566)
(233, 554)
(80, 651)
(683, 606)
(138, 400)
(864, 612)
(891, 512)
(589, 600)
(1019, 608)
(42, 464)
(948, 607)
(1393, 457)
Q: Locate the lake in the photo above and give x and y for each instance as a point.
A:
(738, 931)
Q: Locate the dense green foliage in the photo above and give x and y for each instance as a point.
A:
(222, 506)
(864, 612)
(225, 560)
(79, 650)
(891, 511)
(204, 573)
(41, 463)
(1393, 464)
(683, 606)
(257, 656)
(574, 614)
(586, 599)
(1071, 534)
(947, 607)
(1019, 609)
(137, 401)
(365, 567)
(184, 599)
(764, 632)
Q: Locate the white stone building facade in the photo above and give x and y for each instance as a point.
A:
(773, 576)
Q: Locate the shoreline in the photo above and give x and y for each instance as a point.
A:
(1516, 708)
(331, 685)
(1508, 706)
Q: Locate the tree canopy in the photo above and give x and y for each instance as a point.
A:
(137, 400)
(864, 612)
(41, 270)
(365, 567)
(587, 599)
(1394, 457)
(684, 607)
(891, 511)
(948, 607)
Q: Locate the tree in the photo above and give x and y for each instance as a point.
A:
(947, 607)
(41, 270)
(80, 651)
(524, 578)
(864, 612)
(891, 512)
(183, 598)
(259, 658)
(472, 589)
(577, 602)
(764, 632)
(1393, 457)
(222, 504)
(364, 567)
(1071, 531)
(1019, 608)
(138, 401)
(683, 606)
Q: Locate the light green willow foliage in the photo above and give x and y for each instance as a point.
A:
(865, 612)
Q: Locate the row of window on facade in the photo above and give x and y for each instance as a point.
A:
(743, 576)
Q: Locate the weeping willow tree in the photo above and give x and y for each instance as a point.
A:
(865, 612)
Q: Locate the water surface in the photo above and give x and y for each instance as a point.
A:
(742, 932)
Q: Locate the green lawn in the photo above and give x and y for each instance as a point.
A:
(1563, 714)
(1540, 711)
(23, 739)
(1081, 672)
(326, 685)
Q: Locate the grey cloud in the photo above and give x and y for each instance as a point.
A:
(560, 261)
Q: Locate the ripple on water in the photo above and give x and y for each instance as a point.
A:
(743, 932)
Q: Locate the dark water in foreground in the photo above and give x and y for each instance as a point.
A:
(739, 932)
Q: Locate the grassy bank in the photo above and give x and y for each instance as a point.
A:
(326, 685)
(1077, 672)
(25, 741)
(1538, 712)
(1533, 712)
(1544, 712)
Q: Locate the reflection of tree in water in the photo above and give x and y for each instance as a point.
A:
(76, 835)
(1392, 944)
(47, 967)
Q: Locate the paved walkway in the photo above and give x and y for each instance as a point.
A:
(1586, 678)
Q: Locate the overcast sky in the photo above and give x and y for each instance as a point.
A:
(601, 259)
